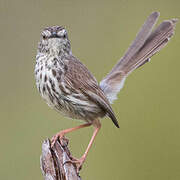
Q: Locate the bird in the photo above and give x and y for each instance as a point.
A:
(69, 87)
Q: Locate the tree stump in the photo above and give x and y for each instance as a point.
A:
(55, 163)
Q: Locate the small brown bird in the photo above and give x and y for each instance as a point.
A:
(68, 87)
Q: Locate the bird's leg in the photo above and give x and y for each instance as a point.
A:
(79, 162)
(63, 132)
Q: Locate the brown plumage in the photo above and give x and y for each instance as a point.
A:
(78, 78)
(68, 87)
(145, 45)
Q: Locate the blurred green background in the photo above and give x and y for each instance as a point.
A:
(146, 146)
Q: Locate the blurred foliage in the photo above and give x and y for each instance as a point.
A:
(147, 144)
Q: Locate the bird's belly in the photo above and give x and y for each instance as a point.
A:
(72, 108)
(75, 106)
(71, 104)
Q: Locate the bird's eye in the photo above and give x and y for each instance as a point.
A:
(44, 37)
(64, 36)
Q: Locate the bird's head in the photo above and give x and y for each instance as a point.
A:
(54, 40)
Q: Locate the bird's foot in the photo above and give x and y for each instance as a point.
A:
(59, 136)
(77, 162)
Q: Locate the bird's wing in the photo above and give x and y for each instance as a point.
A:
(80, 80)
(145, 45)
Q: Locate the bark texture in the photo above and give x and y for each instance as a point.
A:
(55, 163)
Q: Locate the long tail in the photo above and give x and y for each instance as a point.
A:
(145, 45)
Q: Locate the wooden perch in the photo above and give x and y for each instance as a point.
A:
(54, 161)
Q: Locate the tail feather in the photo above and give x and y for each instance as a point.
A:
(146, 44)
(140, 39)
(156, 41)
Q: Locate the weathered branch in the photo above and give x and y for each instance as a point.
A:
(54, 162)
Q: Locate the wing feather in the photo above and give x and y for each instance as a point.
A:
(82, 81)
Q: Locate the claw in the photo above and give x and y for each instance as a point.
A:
(77, 162)
(59, 136)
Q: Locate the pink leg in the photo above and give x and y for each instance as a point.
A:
(79, 162)
(63, 132)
